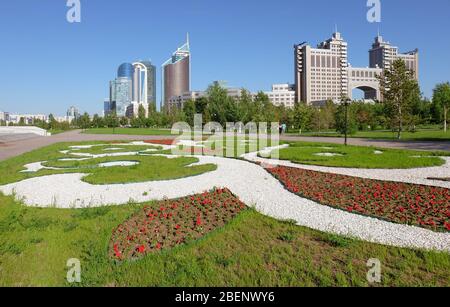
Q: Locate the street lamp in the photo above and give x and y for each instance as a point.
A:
(346, 102)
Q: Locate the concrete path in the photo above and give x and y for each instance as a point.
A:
(13, 145)
(412, 145)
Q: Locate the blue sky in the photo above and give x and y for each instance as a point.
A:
(48, 64)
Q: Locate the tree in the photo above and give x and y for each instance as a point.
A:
(142, 116)
(345, 119)
(303, 115)
(97, 121)
(441, 97)
(399, 90)
(189, 112)
(85, 121)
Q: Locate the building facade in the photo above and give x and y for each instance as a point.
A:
(176, 74)
(120, 95)
(73, 112)
(324, 73)
(144, 83)
(282, 94)
(126, 70)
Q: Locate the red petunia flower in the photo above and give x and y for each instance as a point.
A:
(141, 249)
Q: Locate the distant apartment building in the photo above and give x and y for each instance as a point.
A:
(179, 101)
(2, 116)
(176, 74)
(73, 112)
(133, 109)
(282, 94)
(324, 73)
(27, 119)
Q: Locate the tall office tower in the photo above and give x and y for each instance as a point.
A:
(321, 73)
(106, 107)
(383, 54)
(122, 94)
(112, 96)
(176, 72)
(126, 70)
(144, 83)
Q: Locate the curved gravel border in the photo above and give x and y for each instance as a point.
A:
(250, 182)
(414, 175)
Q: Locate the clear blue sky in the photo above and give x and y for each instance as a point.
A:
(48, 64)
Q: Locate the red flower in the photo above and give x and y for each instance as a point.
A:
(199, 220)
(447, 226)
(117, 252)
(141, 249)
(158, 245)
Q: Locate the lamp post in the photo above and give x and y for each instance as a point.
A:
(346, 102)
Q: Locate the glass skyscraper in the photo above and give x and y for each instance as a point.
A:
(126, 70)
(176, 73)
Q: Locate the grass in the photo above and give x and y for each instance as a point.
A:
(129, 131)
(252, 250)
(421, 135)
(150, 168)
(359, 157)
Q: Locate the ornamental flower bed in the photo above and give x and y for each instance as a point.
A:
(160, 142)
(423, 206)
(170, 223)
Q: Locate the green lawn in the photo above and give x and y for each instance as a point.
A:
(358, 157)
(253, 250)
(422, 135)
(129, 131)
(149, 167)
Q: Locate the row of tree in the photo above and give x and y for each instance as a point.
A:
(403, 109)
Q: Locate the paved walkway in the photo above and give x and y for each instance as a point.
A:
(13, 145)
(413, 145)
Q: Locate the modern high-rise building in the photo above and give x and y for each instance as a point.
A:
(176, 73)
(383, 54)
(126, 70)
(144, 83)
(107, 107)
(121, 97)
(324, 73)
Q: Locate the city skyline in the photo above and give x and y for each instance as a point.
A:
(223, 51)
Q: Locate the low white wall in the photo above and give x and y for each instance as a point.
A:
(24, 130)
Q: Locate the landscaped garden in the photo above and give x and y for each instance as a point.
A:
(210, 236)
(325, 154)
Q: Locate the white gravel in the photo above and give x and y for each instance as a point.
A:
(37, 166)
(327, 154)
(250, 182)
(416, 175)
(118, 163)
